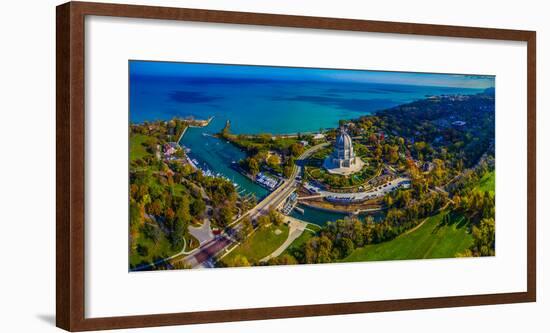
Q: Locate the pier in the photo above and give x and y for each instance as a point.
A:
(290, 203)
(194, 124)
(200, 123)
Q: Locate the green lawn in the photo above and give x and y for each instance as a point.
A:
(314, 227)
(304, 237)
(434, 239)
(137, 149)
(487, 183)
(262, 243)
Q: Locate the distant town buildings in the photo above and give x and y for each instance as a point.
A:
(169, 149)
(319, 136)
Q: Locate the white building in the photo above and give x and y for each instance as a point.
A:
(343, 161)
(319, 136)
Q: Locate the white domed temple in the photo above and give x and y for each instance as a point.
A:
(343, 161)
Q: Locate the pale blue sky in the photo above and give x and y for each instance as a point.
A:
(217, 71)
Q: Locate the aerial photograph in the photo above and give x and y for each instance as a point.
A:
(242, 166)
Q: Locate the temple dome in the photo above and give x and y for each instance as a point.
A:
(343, 146)
(343, 160)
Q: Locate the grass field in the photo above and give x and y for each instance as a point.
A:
(304, 237)
(137, 149)
(262, 243)
(433, 239)
(487, 183)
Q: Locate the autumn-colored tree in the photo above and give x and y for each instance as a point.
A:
(484, 237)
(284, 259)
(238, 261)
(273, 161)
(275, 217)
(263, 221)
(198, 207)
(170, 214)
(245, 228)
(296, 149)
(155, 208)
(225, 216)
(253, 166)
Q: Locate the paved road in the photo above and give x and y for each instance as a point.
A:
(200, 256)
(209, 251)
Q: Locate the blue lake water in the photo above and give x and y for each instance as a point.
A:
(261, 106)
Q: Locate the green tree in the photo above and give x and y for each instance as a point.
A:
(284, 259)
(265, 137)
(388, 200)
(392, 153)
(345, 247)
(296, 149)
(136, 217)
(238, 261)
(245, 229)
(152, 232)
(273, 161)
(484, 237)
(142, 250)
(275, 217)
(318, 250)
(225, 215)
(263, 221)
(197, 207)
(378, 152)
(182, 219)
(253, 166)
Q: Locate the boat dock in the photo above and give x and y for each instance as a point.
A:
(290, 204)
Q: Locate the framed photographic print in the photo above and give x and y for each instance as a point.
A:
(221, 166)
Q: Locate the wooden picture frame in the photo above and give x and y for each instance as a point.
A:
(71, 163)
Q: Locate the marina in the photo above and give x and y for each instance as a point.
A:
(214, 157)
